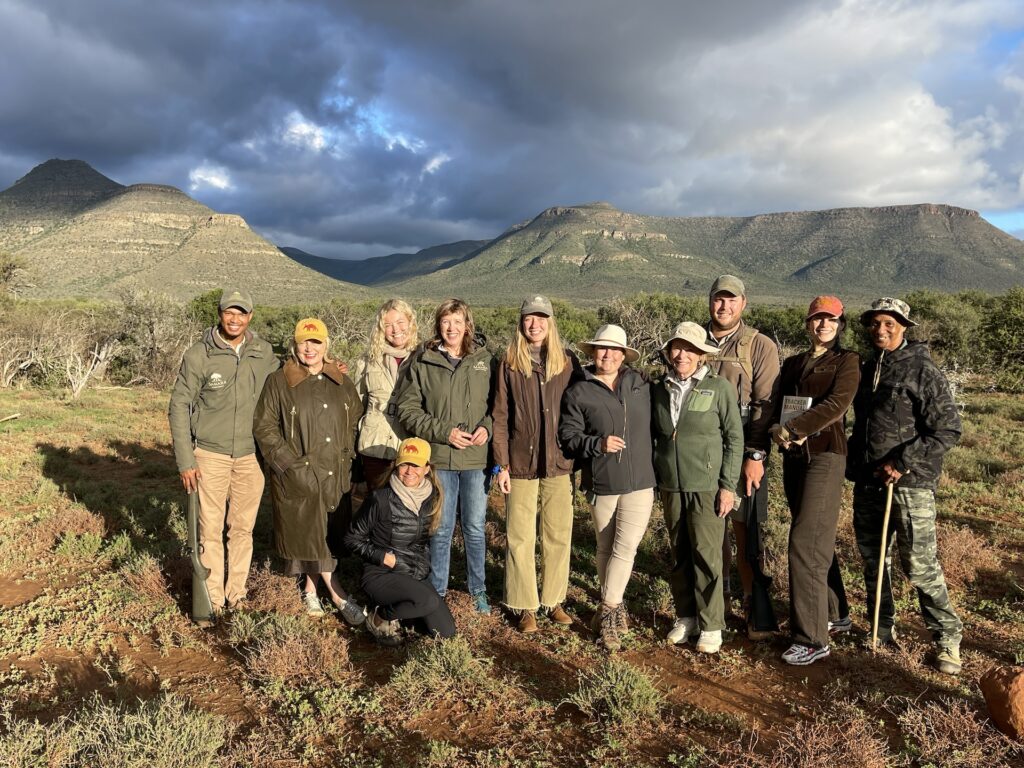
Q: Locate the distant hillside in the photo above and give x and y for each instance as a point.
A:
(82, 234)
(388, 269)
(592, 252)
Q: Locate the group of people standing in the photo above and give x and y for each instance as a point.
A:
(431, 425)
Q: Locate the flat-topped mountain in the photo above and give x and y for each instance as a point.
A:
(82, 234)
(594, 251)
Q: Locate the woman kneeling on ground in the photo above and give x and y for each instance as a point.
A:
(819, 385)
(531, 468)
(305, 425)
(606, 422)
(391, 532)
(698, 451)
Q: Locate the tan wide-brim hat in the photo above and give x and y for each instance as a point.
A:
(692, 334)
(610, 336)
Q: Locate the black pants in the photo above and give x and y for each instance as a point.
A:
(400, 596)
(814, 488)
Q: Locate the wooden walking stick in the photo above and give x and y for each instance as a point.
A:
(881, 566)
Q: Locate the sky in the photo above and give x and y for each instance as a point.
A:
(356, 129)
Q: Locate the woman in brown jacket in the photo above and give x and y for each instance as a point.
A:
(531, 468)
(816, 389)
(305, 425)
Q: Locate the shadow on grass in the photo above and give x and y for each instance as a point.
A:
(136, 490)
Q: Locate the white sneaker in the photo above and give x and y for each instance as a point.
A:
(801, 655)
(709, 642)
(312, 603)
(682, 629)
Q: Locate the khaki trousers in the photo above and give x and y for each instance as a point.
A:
(620, 523)
(229, 497)
(550, 500)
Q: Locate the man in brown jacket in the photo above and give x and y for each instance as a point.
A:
(749, 360)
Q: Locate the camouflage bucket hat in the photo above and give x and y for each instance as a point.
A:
(890, 306)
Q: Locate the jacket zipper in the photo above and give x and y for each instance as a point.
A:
(292, 435)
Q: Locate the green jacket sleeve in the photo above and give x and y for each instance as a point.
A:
(732, 439)
(183, 395)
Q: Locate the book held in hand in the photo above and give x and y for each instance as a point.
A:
(793, 406)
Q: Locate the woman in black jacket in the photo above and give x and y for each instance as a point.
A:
(606, 425)
(392, 534)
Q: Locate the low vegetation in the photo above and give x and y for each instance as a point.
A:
(99, 664)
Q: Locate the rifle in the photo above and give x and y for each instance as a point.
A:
(762, 614)
(202, 609)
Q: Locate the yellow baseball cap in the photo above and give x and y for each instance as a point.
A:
(310, 328)
(413, 450)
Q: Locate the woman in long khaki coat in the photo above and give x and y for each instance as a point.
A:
(305, 425)
(393, 340)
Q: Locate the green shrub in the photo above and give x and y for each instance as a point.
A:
(164, 732)
(439, 670)
(617, 693)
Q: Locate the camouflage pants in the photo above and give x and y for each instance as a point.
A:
(912, 522)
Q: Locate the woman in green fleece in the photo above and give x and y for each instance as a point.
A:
(698, 450)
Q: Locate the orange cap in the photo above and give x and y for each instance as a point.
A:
(413, 450)
(825, 305)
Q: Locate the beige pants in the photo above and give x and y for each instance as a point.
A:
(620, 522)
(550, 499)
(229, 497)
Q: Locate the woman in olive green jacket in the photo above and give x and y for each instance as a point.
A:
(698, 450)
(444, 401)
(305, 426)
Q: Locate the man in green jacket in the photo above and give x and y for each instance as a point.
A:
(211, 414)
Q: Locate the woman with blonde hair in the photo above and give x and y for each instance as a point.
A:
(530, 466)
(393, 339)
(444, 400)
(391, 533)
(305, 426)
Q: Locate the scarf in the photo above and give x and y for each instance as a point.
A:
(393, 357)
(412, 498)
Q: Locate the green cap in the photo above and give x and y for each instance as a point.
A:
(728, 284)
(235, 297)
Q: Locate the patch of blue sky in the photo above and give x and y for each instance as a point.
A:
(1008, 221)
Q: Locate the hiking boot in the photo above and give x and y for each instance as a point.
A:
(480, 604)
(683, 628)
(622, 619)
(312, 604)
(757, 635)
(838, 626)
(709, 642)
(886, 638)
(528, 622)
(947, 660)
(387, 633)
(801, 655)
(559, 616)
(610, 628)
(352, 612)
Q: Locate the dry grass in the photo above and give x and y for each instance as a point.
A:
(964, 554)
(840, 735)
(273, 592)
(950, 734)
(291, 649)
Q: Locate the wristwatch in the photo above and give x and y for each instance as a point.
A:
(756, 455)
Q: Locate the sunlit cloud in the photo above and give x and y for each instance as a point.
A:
(209, 177)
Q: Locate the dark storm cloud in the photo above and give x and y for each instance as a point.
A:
(358, 127)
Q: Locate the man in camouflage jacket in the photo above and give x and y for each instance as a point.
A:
(905, 422)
